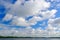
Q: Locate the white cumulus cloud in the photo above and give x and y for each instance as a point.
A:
(22, 9)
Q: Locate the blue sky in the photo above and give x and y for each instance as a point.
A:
(35, 18)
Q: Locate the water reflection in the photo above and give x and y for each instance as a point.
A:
(29, 38)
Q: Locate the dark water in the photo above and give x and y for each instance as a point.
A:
(29, 38)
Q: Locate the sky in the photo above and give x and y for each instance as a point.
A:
(30, 18)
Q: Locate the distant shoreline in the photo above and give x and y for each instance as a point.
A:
(25, 37)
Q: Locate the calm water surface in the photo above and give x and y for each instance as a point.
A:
(29, 38)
